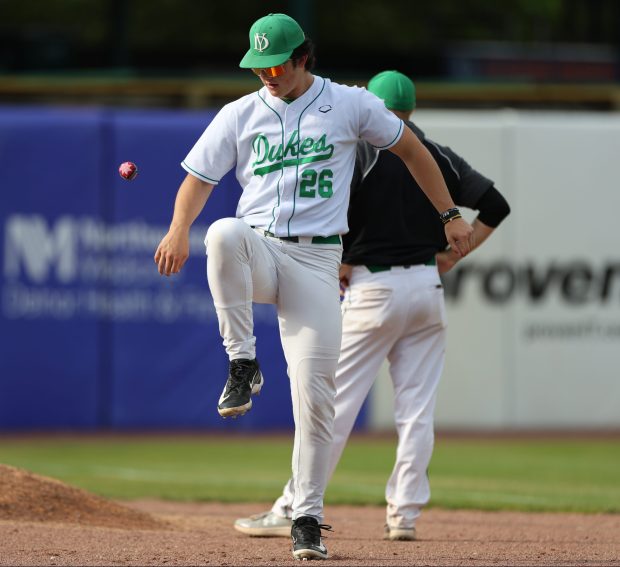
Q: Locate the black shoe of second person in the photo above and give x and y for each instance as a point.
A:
(244, 380)
(306, 536)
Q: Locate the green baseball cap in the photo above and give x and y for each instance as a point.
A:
(272, 40)
(396, 90)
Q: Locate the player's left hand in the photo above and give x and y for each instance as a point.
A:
(345, 277)
(446, 260)
(459, 235)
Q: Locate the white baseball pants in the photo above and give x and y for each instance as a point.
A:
(301, 278)
(398, 315)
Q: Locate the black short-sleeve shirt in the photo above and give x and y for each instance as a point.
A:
(391, 221)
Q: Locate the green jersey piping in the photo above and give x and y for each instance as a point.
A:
(400, 129)
(200, 175)
(305, 160)
(273, 211)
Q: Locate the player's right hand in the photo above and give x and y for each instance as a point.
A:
(172, 252)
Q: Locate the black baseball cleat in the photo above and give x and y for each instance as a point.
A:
(244, 380)
(306, 535)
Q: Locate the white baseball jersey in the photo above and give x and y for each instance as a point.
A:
(294, 160)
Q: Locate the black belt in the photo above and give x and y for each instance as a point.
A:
(333, 239)
(374, 268)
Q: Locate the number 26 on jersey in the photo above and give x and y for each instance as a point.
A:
(313, 182)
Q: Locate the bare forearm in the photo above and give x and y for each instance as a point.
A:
(481, 233)
(190, 200)
(173, 250)
(427, 174)
(447, 259)
(424, 170)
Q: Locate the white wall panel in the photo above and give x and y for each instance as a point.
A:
(534, 330)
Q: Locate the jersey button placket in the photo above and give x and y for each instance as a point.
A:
(288, 175)
(280, 179)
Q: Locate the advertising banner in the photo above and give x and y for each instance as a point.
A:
(92, 335)
(534, 314)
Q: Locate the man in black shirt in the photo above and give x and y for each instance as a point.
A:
(394, 306)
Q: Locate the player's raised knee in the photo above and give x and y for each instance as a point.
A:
(225, 232)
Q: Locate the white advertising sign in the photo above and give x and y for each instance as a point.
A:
(534, 314)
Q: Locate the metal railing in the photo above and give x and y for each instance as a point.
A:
(213, 92)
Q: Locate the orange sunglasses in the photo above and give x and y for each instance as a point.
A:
(271, 72)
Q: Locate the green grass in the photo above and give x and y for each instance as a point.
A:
(535, 475)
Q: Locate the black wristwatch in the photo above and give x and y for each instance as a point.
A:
(449, 215)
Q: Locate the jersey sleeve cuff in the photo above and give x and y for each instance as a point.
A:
(396, 138)
(199, 175)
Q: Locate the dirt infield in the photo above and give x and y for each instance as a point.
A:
(45, 522)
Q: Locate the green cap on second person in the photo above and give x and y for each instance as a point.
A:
(273, 39)
(396, 90)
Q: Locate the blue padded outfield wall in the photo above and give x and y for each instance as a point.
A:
(91, 335)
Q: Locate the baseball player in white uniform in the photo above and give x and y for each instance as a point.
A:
(394, 307)
(293, 146)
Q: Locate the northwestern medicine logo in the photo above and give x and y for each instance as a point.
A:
(296, 152)
(30, 244)
(72, 248)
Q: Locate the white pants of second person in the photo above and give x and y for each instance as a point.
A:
(399, 315)
(301, 278)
